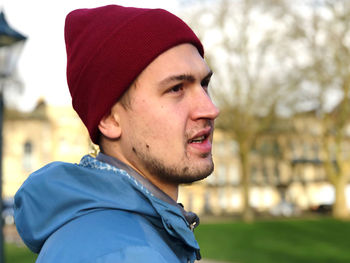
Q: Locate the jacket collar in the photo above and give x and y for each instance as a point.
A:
(191, 218)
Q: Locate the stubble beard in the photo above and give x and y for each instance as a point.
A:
(176, 174)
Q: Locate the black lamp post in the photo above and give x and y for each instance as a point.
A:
(11, 44)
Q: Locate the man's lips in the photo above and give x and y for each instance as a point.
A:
(201, 135)
(201, 140)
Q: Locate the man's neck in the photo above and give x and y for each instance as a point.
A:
(191, 218)
(160, 190)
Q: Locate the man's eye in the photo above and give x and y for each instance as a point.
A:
(176, 88)
(205, 85)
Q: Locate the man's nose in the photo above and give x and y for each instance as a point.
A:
(203, 106)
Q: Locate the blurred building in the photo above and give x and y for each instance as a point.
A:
(286, 173)
(33, 139)
(286, 166)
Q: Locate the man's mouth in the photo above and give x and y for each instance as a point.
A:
(198, 139)
(201, 136)
(201, 142)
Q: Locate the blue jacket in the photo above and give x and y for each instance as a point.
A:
(94, 212)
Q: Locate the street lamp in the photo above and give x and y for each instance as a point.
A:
(11, 44)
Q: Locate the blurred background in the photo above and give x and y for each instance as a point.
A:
(280, 191)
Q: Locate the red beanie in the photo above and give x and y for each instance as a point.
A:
(108, 47)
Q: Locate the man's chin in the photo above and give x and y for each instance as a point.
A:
(196, 174)
(190, 180)
(182, 172)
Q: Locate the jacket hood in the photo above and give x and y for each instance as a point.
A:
(61, 192)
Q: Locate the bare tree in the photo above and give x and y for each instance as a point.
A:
(324, 30)
(252, 56)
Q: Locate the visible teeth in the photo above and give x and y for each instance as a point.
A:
(198, 139)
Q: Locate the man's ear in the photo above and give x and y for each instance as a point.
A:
(109, 126)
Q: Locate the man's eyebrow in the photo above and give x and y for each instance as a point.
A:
(182, 77)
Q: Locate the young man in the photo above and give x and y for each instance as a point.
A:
(139, 82)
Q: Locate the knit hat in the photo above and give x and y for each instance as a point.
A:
(108, 47)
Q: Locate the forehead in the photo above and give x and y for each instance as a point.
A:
(181, 59)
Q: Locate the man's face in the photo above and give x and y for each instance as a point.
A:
(166, 133)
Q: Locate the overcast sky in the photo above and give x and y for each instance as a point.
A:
(42, 63)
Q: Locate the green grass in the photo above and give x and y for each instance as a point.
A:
(283, 241)
(15, 254)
